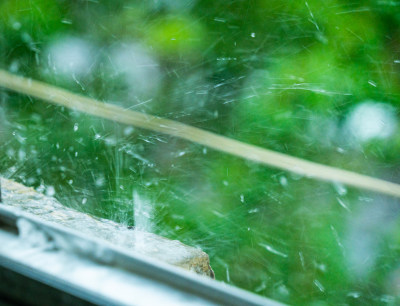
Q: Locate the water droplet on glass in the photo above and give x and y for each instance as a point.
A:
(354, 294)
(319, 285)
(273, 250)
(340, 189)
(50, 191)
(283, 181)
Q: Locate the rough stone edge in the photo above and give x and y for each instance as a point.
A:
(17, 195)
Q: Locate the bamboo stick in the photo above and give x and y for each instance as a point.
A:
(264, 156)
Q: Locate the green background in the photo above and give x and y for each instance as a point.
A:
(284, 75)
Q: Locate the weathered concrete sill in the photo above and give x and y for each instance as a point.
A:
(49, 209)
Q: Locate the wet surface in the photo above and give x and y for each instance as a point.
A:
(49, 209)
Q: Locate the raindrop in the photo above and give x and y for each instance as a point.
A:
(16, 25)
(340, 189)
(283, 290)
(272, 250)
(127, 131)
(10, 152)
(343, 204)
(319, 285)
(21, 155)
(283, 181)
(100, 181)
(354, 294)
(228, 278)
(50, 191)
(66, 21)
(261, 287)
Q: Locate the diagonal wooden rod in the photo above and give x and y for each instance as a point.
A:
(267, 157)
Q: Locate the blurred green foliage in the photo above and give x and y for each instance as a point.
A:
(284, 75)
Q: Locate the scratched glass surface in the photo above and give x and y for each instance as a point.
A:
(318, 80)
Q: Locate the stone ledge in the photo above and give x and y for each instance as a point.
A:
(49, 209)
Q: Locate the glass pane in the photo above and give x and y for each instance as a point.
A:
(318, 80)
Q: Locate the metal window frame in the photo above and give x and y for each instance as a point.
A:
(88, 248)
